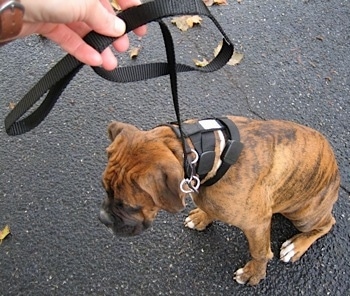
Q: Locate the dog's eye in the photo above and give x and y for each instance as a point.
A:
(118, 204)
(110, 193)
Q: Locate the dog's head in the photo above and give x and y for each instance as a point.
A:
(142, 177)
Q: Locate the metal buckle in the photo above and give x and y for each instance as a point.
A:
(188, 181)
(192, 187)
(196, 156)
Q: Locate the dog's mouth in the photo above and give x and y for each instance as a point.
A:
(123, 226)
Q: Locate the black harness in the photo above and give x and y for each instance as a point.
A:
(201, 134)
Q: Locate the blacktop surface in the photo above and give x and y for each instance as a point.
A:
(296, 67)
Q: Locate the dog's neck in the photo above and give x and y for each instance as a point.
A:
(216, 142)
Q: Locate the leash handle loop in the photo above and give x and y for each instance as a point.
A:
(57, 79)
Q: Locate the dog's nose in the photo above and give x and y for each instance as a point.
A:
(105, 218)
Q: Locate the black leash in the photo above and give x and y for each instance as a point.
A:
(57, 79)
(170, 53)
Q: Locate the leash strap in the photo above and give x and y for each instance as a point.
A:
(57, 79)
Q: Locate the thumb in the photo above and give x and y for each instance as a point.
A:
(103, 21)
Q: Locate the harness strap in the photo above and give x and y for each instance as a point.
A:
(231, 152)
(202, 137)
(207, 156)
(57, 79)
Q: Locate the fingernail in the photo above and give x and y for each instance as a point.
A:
(119, 26)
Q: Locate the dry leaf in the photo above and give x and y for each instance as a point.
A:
(208, 2)
(217, 49)
(220, 2)
(194, 20)
(12, 105)
(115, 5)
(5, 232)
(217, 2)
(134, 52)
(235, 59)
(186, 21)
(199, 63)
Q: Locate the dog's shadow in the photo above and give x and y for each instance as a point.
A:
(221, 248)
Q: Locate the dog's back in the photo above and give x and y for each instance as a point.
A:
(283, 168)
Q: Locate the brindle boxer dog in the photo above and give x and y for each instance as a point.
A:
(283, 168)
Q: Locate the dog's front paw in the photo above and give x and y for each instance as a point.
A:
(252, 273)
(198, 219)
(294, 248)
(287, 251)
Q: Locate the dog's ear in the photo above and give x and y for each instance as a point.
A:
(163, 185)
(173, 197)
(115, 127)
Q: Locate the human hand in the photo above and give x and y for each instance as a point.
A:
(67, 21)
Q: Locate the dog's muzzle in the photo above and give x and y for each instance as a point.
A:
(124, 225)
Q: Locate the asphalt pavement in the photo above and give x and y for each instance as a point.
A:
(296, 67)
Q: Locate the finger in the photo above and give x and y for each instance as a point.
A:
(71, 42)
(124, 4)
(109, 61)
(107, 4)
(103, 21)
(80, 28)
(141, 31)
(121, 44)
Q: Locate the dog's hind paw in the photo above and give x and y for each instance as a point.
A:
(287, 251)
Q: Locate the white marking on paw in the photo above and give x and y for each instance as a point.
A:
(189, 223)
(286, 243)
(237, 277)
(287, 251)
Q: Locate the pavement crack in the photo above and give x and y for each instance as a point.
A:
(345, 189)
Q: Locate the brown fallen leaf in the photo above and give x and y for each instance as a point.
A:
(12, 105)
(4, 232)
(186, 21)
(217, 49)
(199, 63)
(208, 2)
(115, 5)
(134, 52)
(217, 2)
(220, 2)
(235, 59)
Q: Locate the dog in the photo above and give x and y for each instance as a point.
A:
(283, 168)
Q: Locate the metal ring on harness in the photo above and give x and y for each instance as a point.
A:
(196, 156)
(193, 188)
